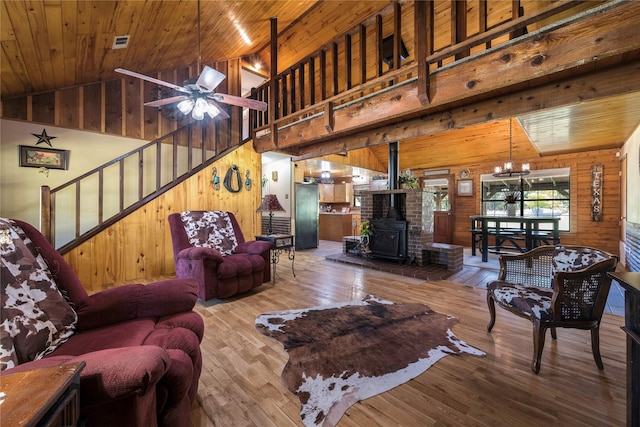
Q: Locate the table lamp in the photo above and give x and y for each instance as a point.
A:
(270, 204)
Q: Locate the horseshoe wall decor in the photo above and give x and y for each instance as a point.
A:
(233, 171)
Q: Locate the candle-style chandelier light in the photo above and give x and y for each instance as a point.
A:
(507, 170)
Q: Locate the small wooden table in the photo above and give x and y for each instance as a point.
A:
(631, 284)
(281, 243)
(42, 397)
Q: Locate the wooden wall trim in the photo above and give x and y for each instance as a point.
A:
(139, 246)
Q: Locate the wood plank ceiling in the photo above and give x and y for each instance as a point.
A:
(49, 45)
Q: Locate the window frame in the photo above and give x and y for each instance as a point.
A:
(560, 206)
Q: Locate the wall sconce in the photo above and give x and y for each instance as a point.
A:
(274, 176)
(215, 179)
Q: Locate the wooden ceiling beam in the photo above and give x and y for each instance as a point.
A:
(575, 90)
(579, 47)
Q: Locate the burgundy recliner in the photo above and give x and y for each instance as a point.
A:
(209, 246)
(140, 343)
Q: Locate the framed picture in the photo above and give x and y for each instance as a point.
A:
(465, 187)
(39, 157)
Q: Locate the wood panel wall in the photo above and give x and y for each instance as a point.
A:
(139, 246)
(116, 107)
(603, 235)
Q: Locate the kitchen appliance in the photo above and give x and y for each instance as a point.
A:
(307, 197)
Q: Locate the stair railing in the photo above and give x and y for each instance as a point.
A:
(104, 195)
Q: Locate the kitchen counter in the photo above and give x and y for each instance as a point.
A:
(334, 225)
(335, 213)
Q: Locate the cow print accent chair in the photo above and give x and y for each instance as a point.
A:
(209, 246)
(554, 287)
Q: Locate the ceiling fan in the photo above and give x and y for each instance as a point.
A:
(199, 97)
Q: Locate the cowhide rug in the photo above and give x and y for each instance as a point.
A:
(342, 353)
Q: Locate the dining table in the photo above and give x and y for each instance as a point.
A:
(523, 233)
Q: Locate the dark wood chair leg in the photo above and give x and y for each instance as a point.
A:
(553, 334)
(538, 344)
(492, 311)
(595, 347)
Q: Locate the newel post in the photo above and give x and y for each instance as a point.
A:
(45, 212)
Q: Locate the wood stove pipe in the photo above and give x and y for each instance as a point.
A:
(394, 166)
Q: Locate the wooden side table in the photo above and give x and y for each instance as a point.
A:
(42, 397)
(281, 243)
(631, 283)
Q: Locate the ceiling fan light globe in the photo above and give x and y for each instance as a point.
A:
(199, 109)
(197, 115)
(212, 110)
(185, 106)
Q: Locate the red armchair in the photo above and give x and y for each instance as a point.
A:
(209, 246)
(141, 344)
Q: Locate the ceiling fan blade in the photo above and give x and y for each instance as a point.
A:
(221, 113)
(239, 101)
(152, 80)
(209, 79)
(165, 101)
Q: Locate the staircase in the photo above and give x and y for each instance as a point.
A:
(108, 193)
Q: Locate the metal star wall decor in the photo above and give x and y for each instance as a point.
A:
(44, 138)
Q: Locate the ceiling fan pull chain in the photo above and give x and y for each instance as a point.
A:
(248, 181)
(228, 177)
(215, 181)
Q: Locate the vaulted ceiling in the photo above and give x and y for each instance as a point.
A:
(54, 44)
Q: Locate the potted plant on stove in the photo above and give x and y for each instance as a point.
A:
(406, 180)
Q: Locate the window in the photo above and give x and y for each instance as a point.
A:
(440, 186)
(546, 193)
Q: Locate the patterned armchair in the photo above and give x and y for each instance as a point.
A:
(140, 343)
(209, 246)
(564, 286)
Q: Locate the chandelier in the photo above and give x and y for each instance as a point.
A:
(507, 170)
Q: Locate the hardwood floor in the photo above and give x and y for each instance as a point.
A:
(240, 381)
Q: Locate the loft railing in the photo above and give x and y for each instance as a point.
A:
(109, 192)
(334, 75)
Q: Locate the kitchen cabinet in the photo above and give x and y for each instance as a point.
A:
(326, 193)
(340, 193)
(334, 226)
(335, 193)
